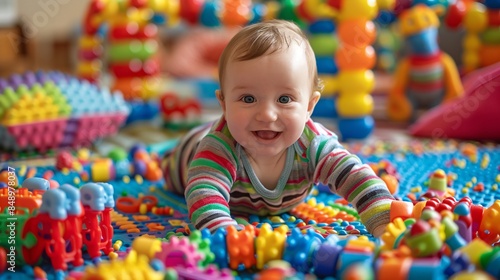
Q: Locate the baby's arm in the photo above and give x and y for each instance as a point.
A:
(210, 177)
(356, 182)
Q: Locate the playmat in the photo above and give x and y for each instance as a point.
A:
(323, 223)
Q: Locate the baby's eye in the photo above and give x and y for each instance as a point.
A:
(284, 99)
(248, 99)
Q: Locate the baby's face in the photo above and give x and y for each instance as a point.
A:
(267, 100)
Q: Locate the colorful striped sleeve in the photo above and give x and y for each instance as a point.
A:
(210, 177)
(345, 174)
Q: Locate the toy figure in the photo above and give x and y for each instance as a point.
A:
(427, 77)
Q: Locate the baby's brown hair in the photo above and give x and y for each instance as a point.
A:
(265, 38)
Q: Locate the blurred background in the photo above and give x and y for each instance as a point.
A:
(43, 34)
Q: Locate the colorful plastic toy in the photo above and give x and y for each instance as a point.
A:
(97, 232)
(180, 113)
(355, 59)
(428, 77)
(423, 240)
(408, 250)
(269, 245)
(131, 265)
(240, 246)
(179, 252)
(47, 110)
(51, 224)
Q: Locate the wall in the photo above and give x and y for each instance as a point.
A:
(48, 21)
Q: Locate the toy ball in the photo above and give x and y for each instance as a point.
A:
(135, 149)
(322, 26)
(356, 128)
(455, 14)
(190, 10)
(139, 167)
(117, 154)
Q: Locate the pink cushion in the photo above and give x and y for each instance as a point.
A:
(475, 116)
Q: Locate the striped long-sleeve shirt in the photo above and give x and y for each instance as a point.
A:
(221, 181)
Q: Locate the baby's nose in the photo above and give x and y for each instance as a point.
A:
(267, 113)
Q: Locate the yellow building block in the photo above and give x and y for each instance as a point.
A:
(475, 249)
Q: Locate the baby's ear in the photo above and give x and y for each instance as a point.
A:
(220, 98)
(313, 101)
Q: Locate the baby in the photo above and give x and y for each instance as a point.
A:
(265, 153)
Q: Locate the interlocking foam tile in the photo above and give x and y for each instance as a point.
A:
(469, 165)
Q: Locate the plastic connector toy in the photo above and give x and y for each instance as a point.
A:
(489, 230)
(147, 246)
(105, 223)
(179, 252)
(490, 262)
(423, 239)
(133, 266)
(93, 196)
(240, 246)
(357, 253)
(463, 218)
(54, 204)
(203, 245)
(326, 257)
(269, 245)
(452, 236)
(474, 249)
(218, 246)
(300, 248)
(394, 232)
(52, 221)
(74, 221)
(458, 262)
(438, 182)
(97, 230)
(401, 209)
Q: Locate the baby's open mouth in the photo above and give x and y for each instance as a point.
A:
(266, 134)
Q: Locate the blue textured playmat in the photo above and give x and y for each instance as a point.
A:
(474, 175)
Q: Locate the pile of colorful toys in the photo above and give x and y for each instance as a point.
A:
(55, 222)
(48, 110)
(443, 225)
